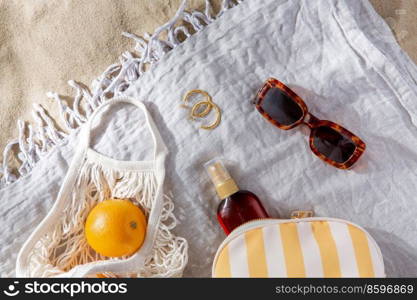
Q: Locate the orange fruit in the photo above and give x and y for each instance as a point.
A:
(115, 228)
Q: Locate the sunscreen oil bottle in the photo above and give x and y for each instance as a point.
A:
(236, 206)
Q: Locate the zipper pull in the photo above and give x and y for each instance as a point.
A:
(300, 214)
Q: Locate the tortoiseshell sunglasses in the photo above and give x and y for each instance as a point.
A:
(329, 141)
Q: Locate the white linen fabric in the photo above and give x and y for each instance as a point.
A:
(339, 56)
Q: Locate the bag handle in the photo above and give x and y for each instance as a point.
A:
(159, 146)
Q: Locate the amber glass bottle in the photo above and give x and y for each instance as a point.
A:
(236, 206)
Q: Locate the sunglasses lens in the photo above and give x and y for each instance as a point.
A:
(281, 108)
(333, 144)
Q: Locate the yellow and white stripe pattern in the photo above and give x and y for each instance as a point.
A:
(314, 248)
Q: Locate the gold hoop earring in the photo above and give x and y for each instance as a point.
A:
(194, 110)
(216, 122)
(189, 93)
(209, 105)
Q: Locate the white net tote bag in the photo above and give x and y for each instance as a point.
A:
(58, 246)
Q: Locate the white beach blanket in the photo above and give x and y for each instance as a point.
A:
(339, 56)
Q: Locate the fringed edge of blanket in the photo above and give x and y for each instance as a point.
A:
(36, 141)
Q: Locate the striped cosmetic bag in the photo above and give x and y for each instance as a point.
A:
(305, 247)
